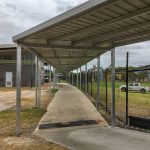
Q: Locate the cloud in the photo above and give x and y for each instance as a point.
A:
(139, 55)
(17, 16)
(20, 15)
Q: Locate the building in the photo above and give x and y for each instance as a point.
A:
(8, 67)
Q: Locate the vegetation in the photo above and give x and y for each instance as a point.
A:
(139, 104)
(30, 118)
(54, 91)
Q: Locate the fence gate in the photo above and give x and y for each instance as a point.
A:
(137, 95)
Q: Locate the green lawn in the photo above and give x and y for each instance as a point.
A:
(139, 104)
(30, 118)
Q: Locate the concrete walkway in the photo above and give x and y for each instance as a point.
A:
(70, 104)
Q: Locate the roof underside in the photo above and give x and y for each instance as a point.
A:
(81, 34)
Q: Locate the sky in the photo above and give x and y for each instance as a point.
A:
(139, 55)
(17, 16)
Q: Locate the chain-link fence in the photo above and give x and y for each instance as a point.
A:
(139, 92)
(132, 89)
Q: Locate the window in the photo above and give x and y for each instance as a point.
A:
(136, 84)
(131, 84)
(8, 57)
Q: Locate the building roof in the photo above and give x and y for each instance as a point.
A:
(7, 49)
(8, 46)
(79, 35)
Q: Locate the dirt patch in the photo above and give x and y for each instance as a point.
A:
(24, 143)
(30, 117)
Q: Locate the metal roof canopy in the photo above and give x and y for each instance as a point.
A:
(81, 34)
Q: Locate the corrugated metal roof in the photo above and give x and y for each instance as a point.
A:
(81, 34)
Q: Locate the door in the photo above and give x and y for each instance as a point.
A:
(137, 87)
(8, 79)
(131, 86)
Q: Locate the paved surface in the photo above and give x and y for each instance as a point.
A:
(70, 104)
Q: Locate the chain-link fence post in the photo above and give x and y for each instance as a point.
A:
(127, 80)
(106, 86)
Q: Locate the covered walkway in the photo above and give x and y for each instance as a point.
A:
(73, 38)
(70, 104)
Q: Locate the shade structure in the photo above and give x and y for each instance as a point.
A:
(79, 35)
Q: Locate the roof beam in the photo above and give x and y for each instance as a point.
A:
(103, 24)
(69, 57)
(113, 33)
(131, 41)
(124, 38)
(36, 45)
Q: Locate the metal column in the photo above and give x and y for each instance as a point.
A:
(85, 78)
(127, 80)
(72, 78)
(80, 79)
(77, 78)
(36, 81)
(113, 86)
(50, 75)
(39, 83)
(54, 78)
(69, 78)
(18, 91)
(98, 83)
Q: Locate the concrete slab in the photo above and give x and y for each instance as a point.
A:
(70, 104)
(100, 138)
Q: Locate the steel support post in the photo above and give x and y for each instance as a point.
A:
(36, 81)
(39, 83)
(98, 83)
(57, 78)
(72, 77)
(50, 75)
(18, 92)
(113, 86)
(54, 78)
(69, 78)
(106, 87)
(127, 91)
(86, 78)
(91, 83)
(80, 79)
(77, 78)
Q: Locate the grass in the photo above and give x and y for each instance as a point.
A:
(54, 91)
(139, 104)
(63, 81)
(30, 118)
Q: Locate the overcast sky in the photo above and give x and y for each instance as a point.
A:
(19, 15)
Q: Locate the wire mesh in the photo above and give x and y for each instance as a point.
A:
(139, 93)
(138, 89)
